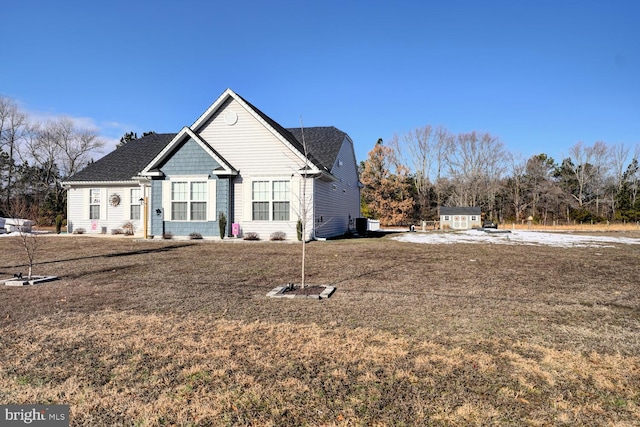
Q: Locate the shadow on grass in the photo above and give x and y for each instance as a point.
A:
(367, 235)
(112, 255)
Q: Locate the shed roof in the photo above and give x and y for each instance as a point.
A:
(460, 210)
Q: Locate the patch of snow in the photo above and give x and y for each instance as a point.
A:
(516, 237)
(18, 234)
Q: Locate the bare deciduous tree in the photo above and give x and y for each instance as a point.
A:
(13, 129)
(59, 149)
(619, 159)
(63, 143)
(539, 185)
(587, 167)
(518, 169)
(476, 163)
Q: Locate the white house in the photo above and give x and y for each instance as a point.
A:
(233, 160)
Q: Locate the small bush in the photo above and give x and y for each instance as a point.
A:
(251, 236)
(79, 231)
(167, 235)
(117, 231)
(59, 223)
(278, 235)
(222, 224)
(299, 229)
(128, 228)
(195, 236)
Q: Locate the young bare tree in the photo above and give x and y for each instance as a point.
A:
(304, 208)
(26, 238)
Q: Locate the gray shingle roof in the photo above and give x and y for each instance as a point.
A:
(322, 142)
(125, 162)
(323, 145)
(446, 210)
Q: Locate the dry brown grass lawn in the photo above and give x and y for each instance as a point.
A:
(181, 333)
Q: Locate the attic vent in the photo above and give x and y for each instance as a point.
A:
(231, 118)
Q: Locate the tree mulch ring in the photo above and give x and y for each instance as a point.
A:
(297, 291)
(24, 281)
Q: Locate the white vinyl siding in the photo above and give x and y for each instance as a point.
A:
(250, 146)
(110, 217)
(337, 202)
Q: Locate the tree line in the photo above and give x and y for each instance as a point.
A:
(406, 180)
(35, 159)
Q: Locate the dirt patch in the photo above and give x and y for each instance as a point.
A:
(306, 291)
(297, 291)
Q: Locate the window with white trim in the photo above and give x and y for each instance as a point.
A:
(94, 203)
(188, 200)
(280, 207)
(446, 218)
(270, 201)
(134, 207)
(198, 207)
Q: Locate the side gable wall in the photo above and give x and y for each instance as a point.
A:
(339, 201)
(247, 144)
(258, 154)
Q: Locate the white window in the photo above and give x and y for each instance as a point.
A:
(280, 200)
(188, 200)
(270, 201)
(94, 203)
(198, 207)
(134, 208)
(446, 218)
(474, 218)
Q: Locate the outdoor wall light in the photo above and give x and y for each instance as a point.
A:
(158, 211)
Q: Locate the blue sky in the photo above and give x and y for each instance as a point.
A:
(540, 75)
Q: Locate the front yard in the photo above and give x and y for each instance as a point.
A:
(181, 333)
